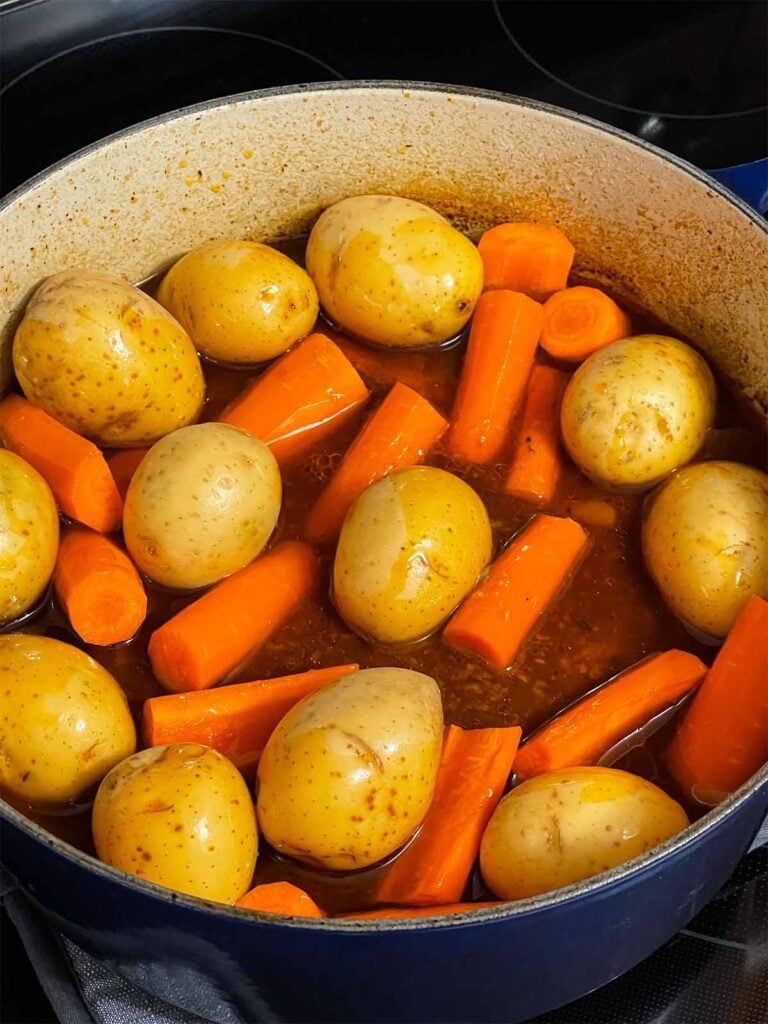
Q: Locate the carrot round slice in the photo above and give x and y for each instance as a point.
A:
(280, 898)
(578, 321)
(99, 588)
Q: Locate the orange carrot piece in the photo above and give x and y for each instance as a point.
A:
(531, 258)
(213, 635)
(535, 468)
(502, 610)
(593, 512)
(722, 737)
(280, 898)
(578, 321)
(399, 434)
(236, 720)
(122, 466)
(407, 912)
(300, 399)
(502, 342)
(582, 733)
(474, 769)
(98, 587)
(72, 466)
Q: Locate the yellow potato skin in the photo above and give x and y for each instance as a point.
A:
(106, 360)
(64, 720)
(411, 548)
(202, 504)
(393, 271)
(180, 816)
(636, 410)
(705, 542)
(29, 536)
(564, 826)
(240, 302)
(348, 775)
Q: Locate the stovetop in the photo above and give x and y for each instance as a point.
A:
(690, 77)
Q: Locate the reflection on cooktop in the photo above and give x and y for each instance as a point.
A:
(689, 77)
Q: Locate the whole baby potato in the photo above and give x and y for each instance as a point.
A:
(180, 816)
(705, 542)
(348, 775)
(106, 360)
(411, 548)
(637, 409)
(202, 504)
(240, 302)
(393, 271)
(64, 723)
(564, 826)
(29, 536)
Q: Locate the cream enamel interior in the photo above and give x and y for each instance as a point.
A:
(264, 166)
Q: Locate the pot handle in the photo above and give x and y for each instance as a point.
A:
(748, 181)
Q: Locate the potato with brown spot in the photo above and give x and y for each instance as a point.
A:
(393, 271)
(705, 543)
(106, 360)
(29, 536)
(64, 721)
(202, 504)
(348, 775)
(636, 410)
(241, 302)
(180, 816)
(564, 826)
(411, 548)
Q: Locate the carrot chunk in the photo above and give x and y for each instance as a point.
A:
(502, 610)
(236, 720)
(213, 635)
(98, 587)
(536, 463)
(531, 258)
(582, 733)
(122, 466)
(280, 898)
(578, 321)
(722, 737)
(502, 342)
(399, 434)
(300, 399)
(474, 769)
(72, 466)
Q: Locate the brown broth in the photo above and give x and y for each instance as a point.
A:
(608, 618)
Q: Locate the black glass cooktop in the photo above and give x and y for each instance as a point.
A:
(690, 77)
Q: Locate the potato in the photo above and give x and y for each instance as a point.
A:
(107, 360)
(393, 271)
(180, 816)
(241, 302)
(65, 721)
(201, 505)
(567, 825)
(636, 410)
(348, 775)
(705, 542)
(411, 548)
(29, 536)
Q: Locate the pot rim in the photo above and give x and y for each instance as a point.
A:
(505, 911)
